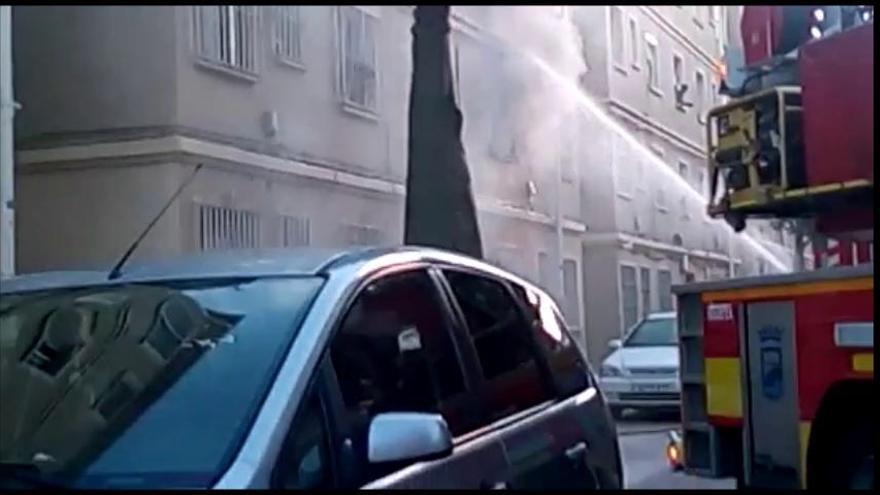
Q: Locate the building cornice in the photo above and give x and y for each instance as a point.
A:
(80, 155)
(623, 240)
(624, 111)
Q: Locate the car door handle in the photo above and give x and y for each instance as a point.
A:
(576, 452)
(498, 485)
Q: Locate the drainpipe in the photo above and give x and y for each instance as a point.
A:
(7, 173)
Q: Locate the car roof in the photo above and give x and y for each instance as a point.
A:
(250, 263)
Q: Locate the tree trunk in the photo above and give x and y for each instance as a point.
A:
(440, 209)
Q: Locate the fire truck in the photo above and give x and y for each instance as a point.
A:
(777, 371)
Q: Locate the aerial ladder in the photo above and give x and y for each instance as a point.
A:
(777, 371)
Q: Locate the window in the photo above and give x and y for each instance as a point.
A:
(677, 70)
(304, 462)
(563, 357)
(362, 235)
(545, 270)
(652, 62)
(678, 86)
(570, 293)
(617, 41)
(503, 139)
(645, 290)
(664, 289)
(394, 353)
(716, 14)
(629, 293)
(683, 170)
(357, 30)
(287, 34)
(700, 94)
(295, 231)
(660, 200)
(226, 35)
(622, 166)
(701, 183)
(227, 228)
(701, 14)
(494, 323)
(634, 43)
(683, 207)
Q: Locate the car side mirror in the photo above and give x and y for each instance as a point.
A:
(408, 437)
(614, 344)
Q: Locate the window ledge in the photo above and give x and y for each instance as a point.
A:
(619, 68)
(636, 67)
(662, 209)
(288, 62)
(655, 91)
(624, 196)
(226, 70)
(359, 111)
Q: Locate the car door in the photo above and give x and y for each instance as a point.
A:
(394, 352)
(585, 414)
(544, 441)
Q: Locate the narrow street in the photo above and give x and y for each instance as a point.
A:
(643, 445)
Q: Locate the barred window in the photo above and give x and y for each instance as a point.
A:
(362, 235)
(288, 33)
(227, 228)
(226, 35)
(357, 41)
(295, 231)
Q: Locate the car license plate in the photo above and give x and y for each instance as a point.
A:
(651, 387)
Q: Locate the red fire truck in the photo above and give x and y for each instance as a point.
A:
(777, 372)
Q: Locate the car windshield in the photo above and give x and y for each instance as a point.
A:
(141, 386)
(653, 332)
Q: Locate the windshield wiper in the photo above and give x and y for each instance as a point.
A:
(26, 476)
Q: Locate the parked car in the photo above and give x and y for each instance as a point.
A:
(378, 368)
(642, 370)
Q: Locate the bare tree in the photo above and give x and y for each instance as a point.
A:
(440, 209)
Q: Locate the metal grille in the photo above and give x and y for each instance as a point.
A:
(362, 235)
(358, 41)
(226, 35)
(659, 396)
(288, 33)
(652, 371)
(295, 231)
(227, 228)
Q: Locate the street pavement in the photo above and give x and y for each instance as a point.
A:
(643, 448)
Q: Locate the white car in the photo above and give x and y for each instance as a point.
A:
(642, 370)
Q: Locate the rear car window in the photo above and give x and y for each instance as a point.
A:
(567, 365)
(501, 338)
